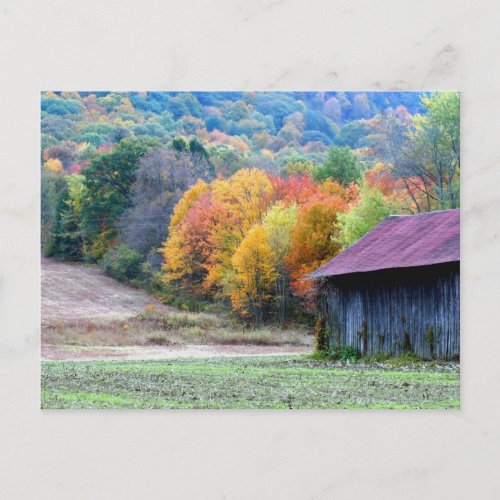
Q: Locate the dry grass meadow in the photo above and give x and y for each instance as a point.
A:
(86, 314)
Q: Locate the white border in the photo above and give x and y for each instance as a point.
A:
(233, 45)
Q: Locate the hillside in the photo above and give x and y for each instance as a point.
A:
(238, 129)
(74, 292)
(231, 199)
(88, 315)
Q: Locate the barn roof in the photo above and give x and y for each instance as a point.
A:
(400, 241)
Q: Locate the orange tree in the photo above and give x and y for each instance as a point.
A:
(186, 250)
(314, 238)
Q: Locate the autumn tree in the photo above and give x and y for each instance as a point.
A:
(187, 249)
(278, 224)
(295, 189)
(208, 225)
(239, 202)
(53, 165)
(64, 151)
(254, 275)
(407, 196)
(314, 239)
(391, 142)
(424, 150)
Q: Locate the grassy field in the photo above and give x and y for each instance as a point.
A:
(249, 382)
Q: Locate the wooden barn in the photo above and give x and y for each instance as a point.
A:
(397, 289)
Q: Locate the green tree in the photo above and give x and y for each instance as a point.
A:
(437, 146)
(341, 165)
(180, 144)
(123, 263)
(371, 209)
(53, 185)
(353, 134)
(196, 148)
(67, 242)
(297, 165)
(108, 181)
(427, 149)
(226, 160)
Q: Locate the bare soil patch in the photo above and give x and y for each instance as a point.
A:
(72, 291)
(89, 353)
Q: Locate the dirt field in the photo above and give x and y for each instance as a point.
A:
(75, 291)
(135, 353)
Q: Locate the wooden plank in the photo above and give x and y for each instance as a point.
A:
(396, 316)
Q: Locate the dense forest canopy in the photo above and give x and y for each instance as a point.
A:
(234, 197)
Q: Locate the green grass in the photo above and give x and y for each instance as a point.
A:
(256, 382)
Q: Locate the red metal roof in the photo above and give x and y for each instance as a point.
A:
(400, 241)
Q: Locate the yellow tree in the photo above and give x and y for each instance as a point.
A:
(238, 203)
(254, 275)
(278, 224)
(53, 165)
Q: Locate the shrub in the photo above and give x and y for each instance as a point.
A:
(157, 339)
(178, 321)
(407, 358)
(337, 352)
(380, 357)
(320, 336)
(123, 263)
(343, 353)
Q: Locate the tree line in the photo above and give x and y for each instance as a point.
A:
(168, 215)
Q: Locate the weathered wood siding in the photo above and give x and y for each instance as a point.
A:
(419, 315)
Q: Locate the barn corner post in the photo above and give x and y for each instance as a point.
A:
(321, 343)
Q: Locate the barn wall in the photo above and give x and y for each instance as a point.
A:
(420, 316)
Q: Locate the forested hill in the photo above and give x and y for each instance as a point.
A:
(262, 129)
(235, 197)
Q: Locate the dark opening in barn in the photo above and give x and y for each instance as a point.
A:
(397, 289)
